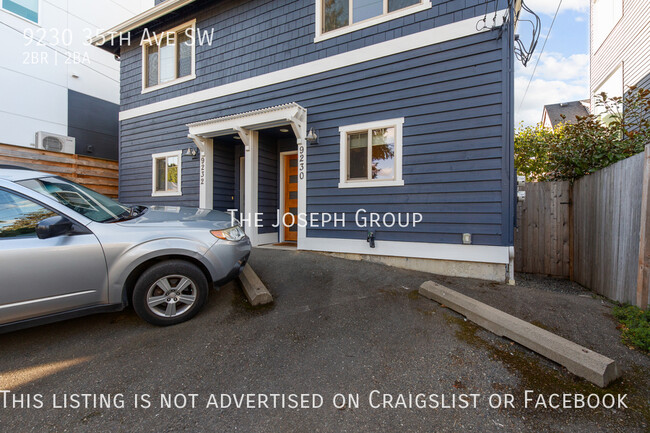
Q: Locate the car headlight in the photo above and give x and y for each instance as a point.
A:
(232, 234)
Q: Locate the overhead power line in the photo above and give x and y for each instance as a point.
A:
(540, 55)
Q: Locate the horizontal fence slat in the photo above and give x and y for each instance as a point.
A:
(97, 174)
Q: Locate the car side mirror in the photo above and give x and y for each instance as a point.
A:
(53, 227)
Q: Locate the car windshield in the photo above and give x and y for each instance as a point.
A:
(87, 202)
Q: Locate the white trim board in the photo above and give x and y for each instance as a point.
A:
(420, 250)
(385, 16)
(139, 20)
(383, 49)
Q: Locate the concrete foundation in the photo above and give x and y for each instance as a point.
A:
(482, 271)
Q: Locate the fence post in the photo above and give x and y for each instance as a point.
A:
(571, 234)
(643, 275)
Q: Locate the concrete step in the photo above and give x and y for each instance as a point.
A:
(579, 360)
(254, 289)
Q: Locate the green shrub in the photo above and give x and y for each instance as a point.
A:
(573, 150)
(635, 324)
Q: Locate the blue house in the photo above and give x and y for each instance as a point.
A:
(380, 129)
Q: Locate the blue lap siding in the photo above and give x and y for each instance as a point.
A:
(455, 97)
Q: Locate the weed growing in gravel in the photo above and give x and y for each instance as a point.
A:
(635, 324)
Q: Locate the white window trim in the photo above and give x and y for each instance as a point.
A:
(38, 13)
(599, 89)
(154, 157)
(386, 16)
(145, 44)
(343, 169)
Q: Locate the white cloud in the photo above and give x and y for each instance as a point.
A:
(550, 6)
(580, 19)
(558, 79)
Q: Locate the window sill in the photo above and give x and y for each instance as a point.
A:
(370, 22)
(370, 183)
(166, 194)
(168, 84)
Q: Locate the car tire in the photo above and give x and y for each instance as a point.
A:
(170, 292)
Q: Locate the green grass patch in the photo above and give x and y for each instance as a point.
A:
(635, 325)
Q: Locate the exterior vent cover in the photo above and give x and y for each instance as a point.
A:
(52, 144)
(55, 142)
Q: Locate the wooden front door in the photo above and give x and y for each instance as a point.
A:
(290, 196)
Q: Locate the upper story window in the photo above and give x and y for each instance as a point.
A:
(371, 154)
(604, 16)
(336, 17)
(27, 9)
(168, 57)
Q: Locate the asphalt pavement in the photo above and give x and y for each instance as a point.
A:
(351, 343)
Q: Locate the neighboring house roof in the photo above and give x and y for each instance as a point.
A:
(553, 113)
(104, 40)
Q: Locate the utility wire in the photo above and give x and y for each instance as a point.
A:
(540, 55)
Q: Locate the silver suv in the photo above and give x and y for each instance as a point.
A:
(67, 251)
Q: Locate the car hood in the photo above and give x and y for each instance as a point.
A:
(174, 216)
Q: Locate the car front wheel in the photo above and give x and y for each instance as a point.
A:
(170, 292)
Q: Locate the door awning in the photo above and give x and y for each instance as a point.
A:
(287, 114)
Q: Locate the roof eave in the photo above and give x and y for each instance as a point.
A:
(138, 21)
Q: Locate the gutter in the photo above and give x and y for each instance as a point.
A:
(138, 21)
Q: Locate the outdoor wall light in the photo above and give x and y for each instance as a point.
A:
(312, 137)
(191, 151)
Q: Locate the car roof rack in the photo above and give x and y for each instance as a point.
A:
(15, 167)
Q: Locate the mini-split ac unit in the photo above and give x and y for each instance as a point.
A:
(55, 142)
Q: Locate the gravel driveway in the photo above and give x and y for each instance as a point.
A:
(336, 326)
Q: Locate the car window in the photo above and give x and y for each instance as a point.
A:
(20, 216)
(80, 199)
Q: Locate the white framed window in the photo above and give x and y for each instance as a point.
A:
(604, 16)
(169, 57)
(337, 17)
(613, 87)
(371, 154)
(166, 174)
(27, 9)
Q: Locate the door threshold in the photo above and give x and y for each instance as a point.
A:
(288, 246)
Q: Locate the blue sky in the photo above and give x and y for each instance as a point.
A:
(563, 71)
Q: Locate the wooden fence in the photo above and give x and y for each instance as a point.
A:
(100, 175)
(607, 217)
(593, 231)
(542, 235)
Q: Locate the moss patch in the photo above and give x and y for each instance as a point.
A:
(543, 379)
(413, 295)
(635, 326)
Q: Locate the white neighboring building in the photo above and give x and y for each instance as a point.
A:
(53, 80)
(620, 46)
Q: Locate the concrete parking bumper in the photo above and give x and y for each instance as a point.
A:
(579, 360)
(255, 291)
